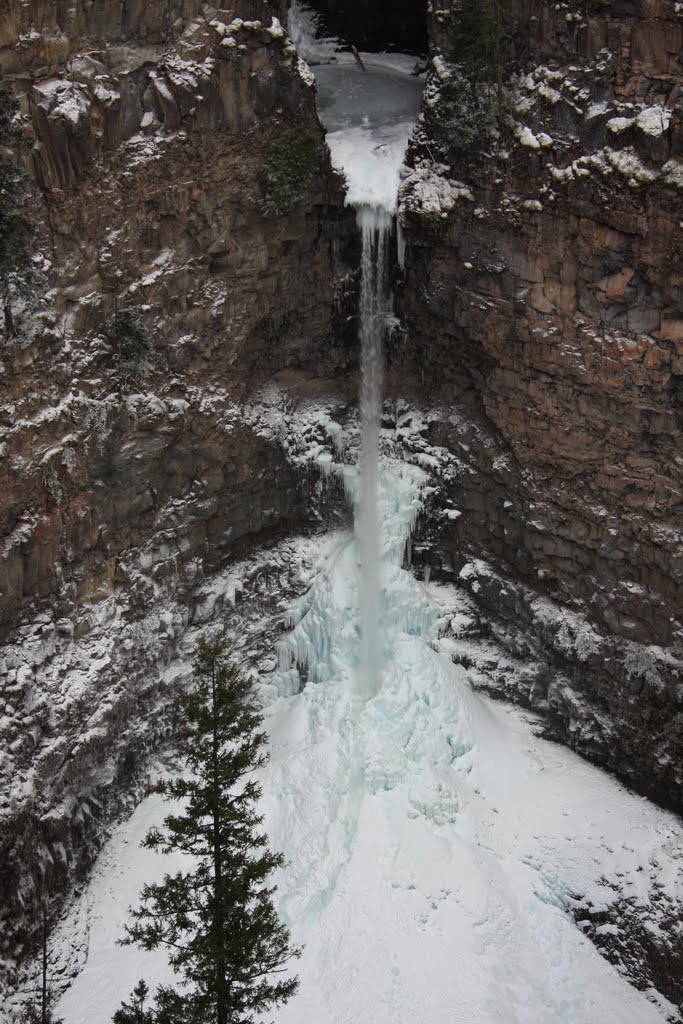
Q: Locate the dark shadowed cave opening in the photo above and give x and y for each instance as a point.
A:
(377, 24)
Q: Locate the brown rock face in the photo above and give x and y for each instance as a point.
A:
(543, 299)
(151, 176)
(127, 478)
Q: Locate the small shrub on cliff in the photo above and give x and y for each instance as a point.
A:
(474, 97)
(16, 229)
(136, 1011)
(127, 335)
(292, 158)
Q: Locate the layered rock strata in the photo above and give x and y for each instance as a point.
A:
(542, 298)
(129, 473)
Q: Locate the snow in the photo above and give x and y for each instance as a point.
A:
(672, 173)
(65, 99)
(276, 30)
(617, 125)
(428, 190)
(552, 96)
(527, 137)
(628, 163)
(369, 116)
(654, 121)
(434, 843)
(305, 72)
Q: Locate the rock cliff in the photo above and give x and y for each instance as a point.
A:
(543, 307)
(184, 268)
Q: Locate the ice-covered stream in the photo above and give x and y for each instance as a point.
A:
(369, 114)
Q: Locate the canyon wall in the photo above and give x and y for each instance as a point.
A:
(543, 303)
(186, 268)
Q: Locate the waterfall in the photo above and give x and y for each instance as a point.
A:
(303, 25)
(369, 116)
(375, 224)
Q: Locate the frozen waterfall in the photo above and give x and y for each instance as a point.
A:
(369, 116)
(434, 843)
(375, 224)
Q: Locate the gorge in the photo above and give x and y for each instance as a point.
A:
(517, 509)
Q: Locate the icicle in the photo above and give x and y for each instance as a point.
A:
(375, 224)
(400, 244)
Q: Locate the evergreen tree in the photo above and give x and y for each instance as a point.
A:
(484, 35)
(35, 1015)
(126, 333)
(16, 230)
(135, 1012)
(42, 1014)
(217, 919)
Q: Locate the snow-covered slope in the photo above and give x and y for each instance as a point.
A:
(435, 845)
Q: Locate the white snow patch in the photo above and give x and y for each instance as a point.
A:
(428, 190)
(617, 125)
(427, 828)
(527, 137)
(654, 121)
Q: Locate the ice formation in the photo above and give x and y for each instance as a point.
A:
(434, 844)
(369, 113)
(369, 118)
(304, 29)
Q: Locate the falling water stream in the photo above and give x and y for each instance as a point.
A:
(375, 225)
(369, 115)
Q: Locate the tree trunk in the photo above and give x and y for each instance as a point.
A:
(218, 921)
(43, 1014)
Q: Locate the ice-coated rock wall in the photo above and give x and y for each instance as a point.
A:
(542, 304)
(125, 484)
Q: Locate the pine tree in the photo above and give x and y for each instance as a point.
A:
(484, 36)
(16, 230)
(135, 1011)
(33, 1015)
(217, 919)
(42, 1014)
